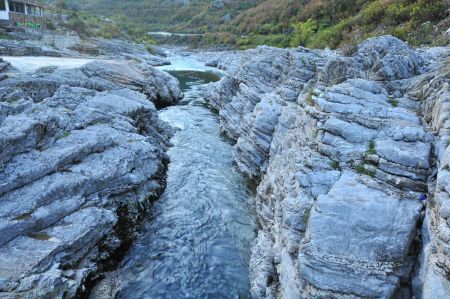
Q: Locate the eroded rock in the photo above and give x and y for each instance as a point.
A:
(344, 147)
(82, 156)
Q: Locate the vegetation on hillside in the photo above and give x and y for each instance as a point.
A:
(335, 23)
(199, 16)
(88, 23)
(281, 23)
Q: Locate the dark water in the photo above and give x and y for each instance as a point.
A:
(197, 242)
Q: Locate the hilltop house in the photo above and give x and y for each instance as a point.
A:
(23, 13)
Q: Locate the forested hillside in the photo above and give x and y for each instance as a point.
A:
(333, 23)
(173, 15)
(281, 23)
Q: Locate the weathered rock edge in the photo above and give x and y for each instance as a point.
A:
(344, 147)
(82, 156)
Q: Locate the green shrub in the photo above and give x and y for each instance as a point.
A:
(309, 98)
(335, 165)
(372, 13)
(371, 150)
(302, 32)
(76, 23)
(361, 169)
(220, 38)
(397, 13)
(426, 10)
(109, 31)
(330, 37)
(269, 29)
(393, 102)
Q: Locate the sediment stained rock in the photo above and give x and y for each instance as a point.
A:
(344, 147)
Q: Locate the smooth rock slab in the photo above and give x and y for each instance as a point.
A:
(357, 239)
(74, 235)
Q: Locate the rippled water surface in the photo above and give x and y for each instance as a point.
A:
(196, 243)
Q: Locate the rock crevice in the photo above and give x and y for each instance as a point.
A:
(83, 154)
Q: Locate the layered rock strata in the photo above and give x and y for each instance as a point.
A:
(82, 155)
(345, 148)
(158, 86)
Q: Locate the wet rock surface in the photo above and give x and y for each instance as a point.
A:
(345, 147)
(83, 154)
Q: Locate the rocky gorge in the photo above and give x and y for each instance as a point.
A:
(83, 154)
(352, 158)
(350, 155)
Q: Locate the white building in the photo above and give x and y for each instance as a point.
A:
(21, 13)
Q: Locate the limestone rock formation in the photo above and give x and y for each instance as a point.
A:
(97, 47)
(82, 155)
(118, 49)
(431, 279)
(159, 87)
(21, 48)
(345, 147)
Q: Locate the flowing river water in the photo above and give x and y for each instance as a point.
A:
(195, 242)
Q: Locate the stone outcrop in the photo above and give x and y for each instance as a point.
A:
(21, 48)
(345, 147)
(122, 49)
(432, 276)
(82, 155)
(96, 47)
(159, 87)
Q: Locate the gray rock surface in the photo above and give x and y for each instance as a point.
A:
(343, 148)
(95, 47)
(22, 48)
(159, 87)
(82, 155)
(431, 278)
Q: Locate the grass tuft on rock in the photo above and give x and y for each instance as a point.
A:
(361, 169)
(64, 135)
(371, 149)
(335, 165)
(309, 97)
(393, 102)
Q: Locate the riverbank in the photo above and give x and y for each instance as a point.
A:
(83, 156)
(351, 153)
